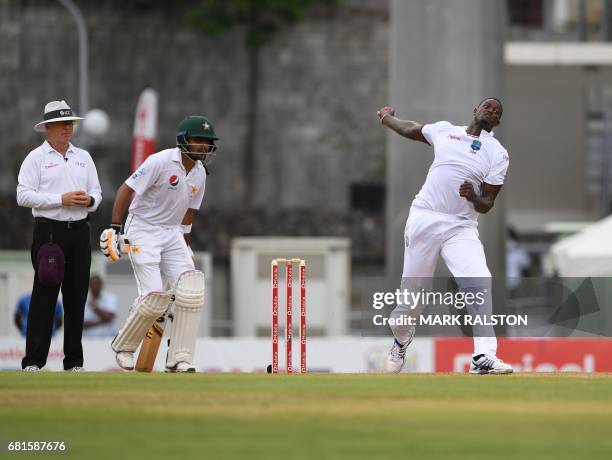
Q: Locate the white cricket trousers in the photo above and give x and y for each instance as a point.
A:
(159, 255)
(429, 235)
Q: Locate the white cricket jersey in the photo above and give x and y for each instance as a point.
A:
(164, 190)
(458, 157)
(46, 174)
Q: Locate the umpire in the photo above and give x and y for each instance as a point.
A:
(60, 183)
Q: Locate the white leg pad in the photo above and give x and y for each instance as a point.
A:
(140, 319)
(188, 305)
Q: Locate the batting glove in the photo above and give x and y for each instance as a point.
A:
(113, 243)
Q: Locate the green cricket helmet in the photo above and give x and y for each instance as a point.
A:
(196, 126)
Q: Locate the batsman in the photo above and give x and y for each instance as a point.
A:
(167, 188)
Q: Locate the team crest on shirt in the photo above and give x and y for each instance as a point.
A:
(139, 172)
(194, 190)
(173, 181)
(476, 144)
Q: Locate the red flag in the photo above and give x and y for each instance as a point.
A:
(145, 127)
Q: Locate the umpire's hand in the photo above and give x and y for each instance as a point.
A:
(76, 199)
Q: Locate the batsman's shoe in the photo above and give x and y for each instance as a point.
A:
(32, 368)
(125, 360)
(397, 355)
(181, 367)
(483, 364)
(75, 369)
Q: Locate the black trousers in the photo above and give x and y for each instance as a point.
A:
(73, 238)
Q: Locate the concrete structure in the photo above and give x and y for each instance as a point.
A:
(558, 130)
(321, 81)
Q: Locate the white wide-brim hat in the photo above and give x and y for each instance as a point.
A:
(56, 111)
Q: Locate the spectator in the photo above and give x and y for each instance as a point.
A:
(21, 314)
(517, 260)
(100, 310)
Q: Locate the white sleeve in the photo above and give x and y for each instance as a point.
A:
(197, 199)
(431, 131)
(498, 170)
(28, 182)
(93, 185)
(111, 303)
(145, 176)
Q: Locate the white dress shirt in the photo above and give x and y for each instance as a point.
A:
(46, 174)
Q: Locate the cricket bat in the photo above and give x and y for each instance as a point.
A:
(150, 346)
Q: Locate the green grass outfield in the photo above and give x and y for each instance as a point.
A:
(315, 416)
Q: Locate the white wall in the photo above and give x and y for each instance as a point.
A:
(327, 284)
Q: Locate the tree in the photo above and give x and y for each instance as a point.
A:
(262, 20)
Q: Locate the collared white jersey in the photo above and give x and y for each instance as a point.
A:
(458, 157)
(164, 190)
(46, 174)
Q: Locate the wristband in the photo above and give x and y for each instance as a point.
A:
(116, 227)
(383, 117)
(186, 228)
